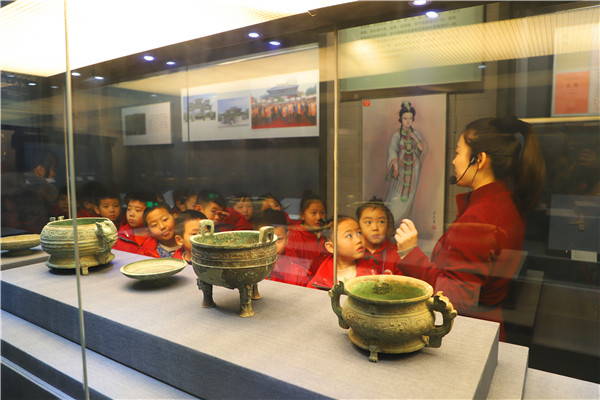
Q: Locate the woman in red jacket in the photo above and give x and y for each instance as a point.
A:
(500, 161)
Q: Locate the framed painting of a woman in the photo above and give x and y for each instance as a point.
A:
(404, 146)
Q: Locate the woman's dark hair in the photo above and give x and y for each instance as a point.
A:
(406, 107)
(514, 152)
(377, 203)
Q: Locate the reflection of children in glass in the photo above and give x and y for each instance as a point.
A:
(406, 152)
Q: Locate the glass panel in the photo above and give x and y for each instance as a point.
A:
(315, 106)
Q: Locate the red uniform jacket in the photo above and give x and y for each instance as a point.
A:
(305, 246)
(286, 270)
(476, 258)
(233, 222)
(386, 258)
(126, 240)
(324, 276)
(83, 213)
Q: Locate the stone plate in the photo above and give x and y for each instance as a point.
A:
(155, 270)
(19, 245)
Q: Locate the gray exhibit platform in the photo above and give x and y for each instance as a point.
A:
(8, 261)
(56, 364)
(292, 348)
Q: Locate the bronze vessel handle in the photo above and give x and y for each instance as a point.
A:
(207, 223)
(101, 233)
(335, 293)
(440, 303)
(266, 234)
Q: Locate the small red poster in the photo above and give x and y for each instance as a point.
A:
(572, 92)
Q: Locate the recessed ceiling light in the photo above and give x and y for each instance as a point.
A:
(254, 35)
(419, 2)
(275, 43)
(76, 73)
(432, 14)
(32, 84)
(149, 58)
(170, 63)
(99, 78)
(54, 87)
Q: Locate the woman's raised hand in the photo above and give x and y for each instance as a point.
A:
(406, 236)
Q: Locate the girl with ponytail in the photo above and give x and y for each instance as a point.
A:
(500, 161)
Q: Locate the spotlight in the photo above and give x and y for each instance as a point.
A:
(75, 73)
(149, 58)
(275, 43)
(254, 35)
(419, 2)
(432, 14)
(100, 78)
(170, 63)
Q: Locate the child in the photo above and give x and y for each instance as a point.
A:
(86, 199)
(132, 235)
(269, 200)
(242, 203)
(305, 241)
(187, 224)
(184, 199)
(350, 253)
(285, 269)
(161, 225)
(61, 207)
(108, 205)
(377, 226)
(213, 206)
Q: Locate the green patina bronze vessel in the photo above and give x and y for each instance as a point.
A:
(391, 313)
(95, 237)
(235, 260)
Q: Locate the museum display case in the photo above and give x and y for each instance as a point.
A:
(260, 102)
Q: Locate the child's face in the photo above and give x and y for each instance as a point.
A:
(109, 208)
(191, 228)
(212, 211)
(244, 207)
(282, 239)
(190, 203)
(135, 214)
(161, 225)
(349, 240)
(373, 225)
(314, 213)
(270, 203)
(63, 203)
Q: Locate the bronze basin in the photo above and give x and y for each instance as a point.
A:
(234, 260)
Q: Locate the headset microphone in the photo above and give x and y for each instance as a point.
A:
(453, 181)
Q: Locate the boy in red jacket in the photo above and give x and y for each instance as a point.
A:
(108, 205)
(161, 225)
(134, 233)
(285, 269)
(187, 224)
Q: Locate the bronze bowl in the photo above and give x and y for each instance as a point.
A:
(391, 313)
(95, 238)
(235, 260)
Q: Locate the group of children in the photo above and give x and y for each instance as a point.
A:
(305, 247)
